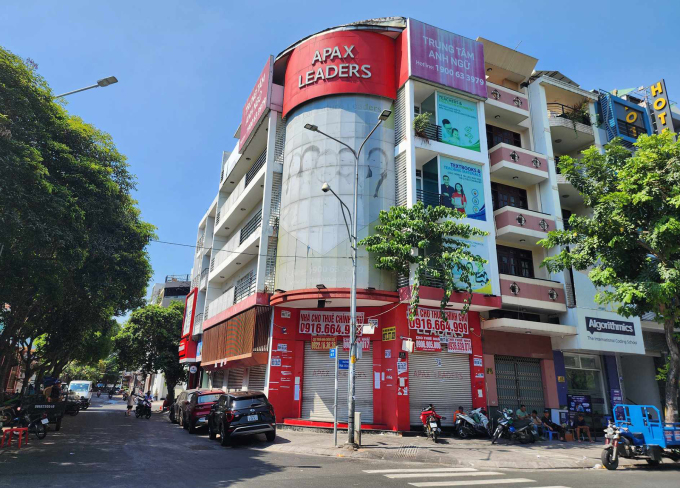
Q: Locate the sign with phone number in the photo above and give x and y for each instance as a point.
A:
(327, 323)
(429, 319)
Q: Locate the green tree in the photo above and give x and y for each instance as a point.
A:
(149, 342)
(431, 239)
(631, 241)
(73, 245)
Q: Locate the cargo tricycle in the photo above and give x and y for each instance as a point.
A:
(637, 432)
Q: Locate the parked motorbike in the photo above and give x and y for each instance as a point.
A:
(474, 423)
(431, 422)
(143, 409)
(110, 395)
(513, 429)
(36, 425)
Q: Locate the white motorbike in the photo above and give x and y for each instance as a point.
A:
(471, 424)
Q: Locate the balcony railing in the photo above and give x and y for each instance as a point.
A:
(429, 199)
(199, 243)
(235, 240)
(195, 281)
(221, 303)
(432, 132)
(198, 323)
(564, 111)
(250, 175)
(204, 276)
(630, 130)
(507, 96)
(533, 292)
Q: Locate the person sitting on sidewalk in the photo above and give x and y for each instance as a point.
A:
(580, 426)
(552, 426)
(536, 424)
(460, 410)
(522, 413)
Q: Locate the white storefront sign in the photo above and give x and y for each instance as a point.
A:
(604, 331)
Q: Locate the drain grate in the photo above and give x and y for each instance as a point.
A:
(407, 451)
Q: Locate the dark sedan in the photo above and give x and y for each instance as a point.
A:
(242, 413)
(177, 408)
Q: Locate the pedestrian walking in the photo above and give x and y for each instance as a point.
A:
(130, 403)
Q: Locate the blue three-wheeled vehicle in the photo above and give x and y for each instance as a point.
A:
(637, 431)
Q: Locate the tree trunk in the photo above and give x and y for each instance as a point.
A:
(171, 391)
(673, 376)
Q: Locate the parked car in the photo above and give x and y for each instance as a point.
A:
(177, 408)
(198, 407)
(242, 413)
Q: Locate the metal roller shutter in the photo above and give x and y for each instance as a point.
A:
(256, 378)
(318, 386)
(441, 378)
(519, 382)
(218, 378)
(235, 379)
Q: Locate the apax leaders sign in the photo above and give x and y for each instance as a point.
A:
(446, 58)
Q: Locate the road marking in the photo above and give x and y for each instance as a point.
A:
(442, 475)
(430, 470)
(473, 482)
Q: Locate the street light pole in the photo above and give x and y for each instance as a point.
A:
(351, 403)
(103, 82)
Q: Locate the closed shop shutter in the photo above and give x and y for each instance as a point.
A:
(256, 378)
(519, 382)
(318, 386)
(218, 378)
(441, 378)
(235, 379)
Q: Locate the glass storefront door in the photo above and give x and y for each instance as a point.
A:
(584, 377)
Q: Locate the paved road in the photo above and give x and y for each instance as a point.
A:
(102, 447)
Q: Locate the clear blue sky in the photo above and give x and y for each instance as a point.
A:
(186, 68)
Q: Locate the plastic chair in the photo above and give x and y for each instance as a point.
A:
(549, 434)
(9, 433)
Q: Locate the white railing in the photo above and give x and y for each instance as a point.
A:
(240, 189)
(230, 248)
(204, 277)
(222, 303)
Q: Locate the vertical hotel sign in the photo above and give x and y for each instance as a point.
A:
(661, 107)
(445, 58)
(258, 102)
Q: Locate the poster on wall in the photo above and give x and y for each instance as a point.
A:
(480, 274)
(428, 320)
(428, 343)
(460, 346)
(579, 403)
(458, 120)
(462, 187)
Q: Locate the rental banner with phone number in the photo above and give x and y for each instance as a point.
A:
(327, 323)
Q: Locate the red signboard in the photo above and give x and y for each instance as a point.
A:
(340, 62)
(258, 101)
(317, 322)
(324, 343)
(428, 343)
(187, 350)
(189, 309)
(430, 320)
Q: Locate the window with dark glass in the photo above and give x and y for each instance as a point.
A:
(508, 196)
(496, 135)
(515, 262)
(565, 218)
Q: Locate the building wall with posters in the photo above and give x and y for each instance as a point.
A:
(272, 273)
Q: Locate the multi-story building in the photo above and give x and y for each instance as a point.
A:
(272, 271)
(174, 288)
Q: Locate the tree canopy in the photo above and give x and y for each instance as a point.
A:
(73, 244)
(630, 242)
(431, 239)
(149, 342)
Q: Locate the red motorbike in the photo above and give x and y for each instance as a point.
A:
(431, 422)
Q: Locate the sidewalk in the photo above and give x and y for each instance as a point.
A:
(478, 453)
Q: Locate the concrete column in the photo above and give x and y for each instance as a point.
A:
(266, 230)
